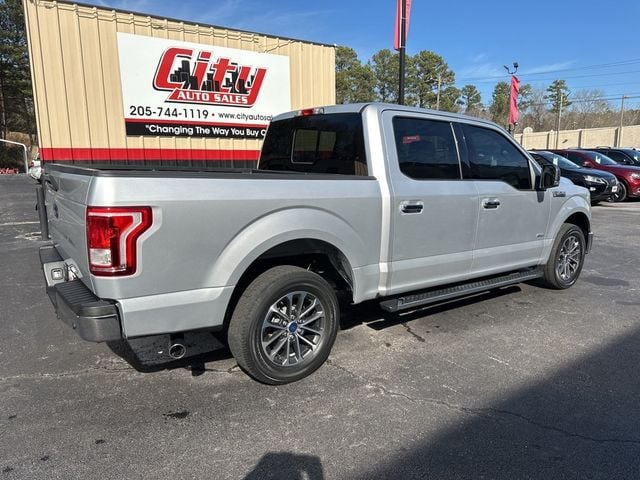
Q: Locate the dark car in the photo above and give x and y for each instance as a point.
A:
(628, 175)
(601, 185)
(624, 156)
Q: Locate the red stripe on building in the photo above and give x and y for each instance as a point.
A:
(146, 154)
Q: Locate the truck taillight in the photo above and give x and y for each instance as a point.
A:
(112, 234)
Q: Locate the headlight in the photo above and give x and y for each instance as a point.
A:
(592, 179)
(635, 176)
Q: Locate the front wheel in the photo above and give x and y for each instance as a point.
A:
(567, 258)
(284, 325)
(621, 194)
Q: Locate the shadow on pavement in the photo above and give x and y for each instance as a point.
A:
(583, 422)
(289, 466)
(370, 313)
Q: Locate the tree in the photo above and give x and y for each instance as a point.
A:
(427, 76)
(499, 109)
(386, 70)
(471, 100)
(16, 97)
(354, 82)
(588, 107)
(450, 99)
(525, 98)
(558, 94)
(534, 111)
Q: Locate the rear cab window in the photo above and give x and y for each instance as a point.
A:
(330, 143)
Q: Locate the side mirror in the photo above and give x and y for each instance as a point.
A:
(549, 178)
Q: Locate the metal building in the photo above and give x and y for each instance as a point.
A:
(115, 86)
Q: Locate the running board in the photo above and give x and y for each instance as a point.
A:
(432, 296)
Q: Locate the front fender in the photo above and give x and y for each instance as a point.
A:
(576, 204)
(286, 225)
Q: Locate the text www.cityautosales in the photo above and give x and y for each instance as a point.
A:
(248, 117)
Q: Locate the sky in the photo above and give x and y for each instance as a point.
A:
(593, 46)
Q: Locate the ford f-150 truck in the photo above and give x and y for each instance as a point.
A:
(374, 201)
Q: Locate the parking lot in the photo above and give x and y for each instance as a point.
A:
(517, 383)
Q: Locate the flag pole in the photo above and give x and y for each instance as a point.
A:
(403, 34)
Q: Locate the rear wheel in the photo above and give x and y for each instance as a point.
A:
(567, 258)
(284, 325)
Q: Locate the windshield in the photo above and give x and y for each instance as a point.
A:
(599, 158)
(558, 160)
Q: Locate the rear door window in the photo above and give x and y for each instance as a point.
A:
(426, 149)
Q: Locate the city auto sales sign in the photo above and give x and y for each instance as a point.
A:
(180, 89)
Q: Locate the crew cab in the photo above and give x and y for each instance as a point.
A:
(359, 202)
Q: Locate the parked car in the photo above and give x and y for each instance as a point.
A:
(623, 156)
(628, 175)
(601, 185)
(361, 202)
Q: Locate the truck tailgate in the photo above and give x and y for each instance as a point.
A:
(65, 199)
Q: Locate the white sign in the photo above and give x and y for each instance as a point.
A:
(181, 89)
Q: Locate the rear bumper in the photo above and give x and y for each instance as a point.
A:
(93, 318)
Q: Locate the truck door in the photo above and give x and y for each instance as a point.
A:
(433, 210)
(512, 215)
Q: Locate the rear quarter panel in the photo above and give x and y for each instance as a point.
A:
(208, 231)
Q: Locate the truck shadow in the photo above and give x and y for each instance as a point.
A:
(367, 313)
(289, 466)
(370, 314)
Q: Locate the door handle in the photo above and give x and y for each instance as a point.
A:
(411, 207)
(491, 204)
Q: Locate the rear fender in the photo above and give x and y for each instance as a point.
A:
(283, 226)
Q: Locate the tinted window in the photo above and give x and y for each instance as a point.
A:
(493, 157)
(574, 157)
(426, 149)
(619, 157)
(331, 143)
(558, 160)
(540, 159)
(599, 158)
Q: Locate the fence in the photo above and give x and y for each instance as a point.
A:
(585, 138)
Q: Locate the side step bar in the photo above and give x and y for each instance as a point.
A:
(459, 290)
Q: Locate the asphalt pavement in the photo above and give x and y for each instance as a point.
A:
(522, 383)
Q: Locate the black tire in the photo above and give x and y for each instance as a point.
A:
(565, 264)
(281, 305)
(621, 194)
(594, 203)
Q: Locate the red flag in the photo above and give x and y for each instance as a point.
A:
(514, 114)
(397, 42)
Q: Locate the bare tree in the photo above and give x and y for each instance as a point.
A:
(589, 108)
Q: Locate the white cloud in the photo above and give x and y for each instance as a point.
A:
(479, 57)
(548, 68)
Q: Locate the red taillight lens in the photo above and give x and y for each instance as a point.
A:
(112, 234)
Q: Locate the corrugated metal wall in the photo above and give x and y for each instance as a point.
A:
(76, 77)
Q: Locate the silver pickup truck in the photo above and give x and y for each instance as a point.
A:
(353, 202)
